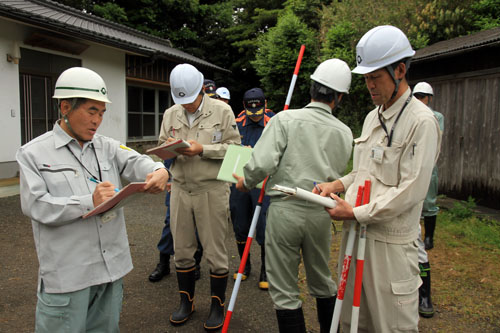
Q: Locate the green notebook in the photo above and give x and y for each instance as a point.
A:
(235, 159)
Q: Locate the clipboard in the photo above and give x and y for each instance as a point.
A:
(167, 150)
(301, 194)
(120, 199)
(235, 159)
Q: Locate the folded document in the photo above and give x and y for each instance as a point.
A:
(298, 193)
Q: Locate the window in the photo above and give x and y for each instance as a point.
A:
(145, 111)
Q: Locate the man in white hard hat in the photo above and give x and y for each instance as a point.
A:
(298, 148)
(424, 92)
(223, 94)
(82, 261)
(396, 151)
(198, 200)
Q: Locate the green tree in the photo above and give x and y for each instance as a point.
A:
(276, 58)
(486, 14)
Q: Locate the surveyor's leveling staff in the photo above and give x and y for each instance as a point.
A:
(358, 282)
(345, 267)
(294, 77)
(244, 257)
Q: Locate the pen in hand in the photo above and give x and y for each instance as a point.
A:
(92, 179)
(317, 187)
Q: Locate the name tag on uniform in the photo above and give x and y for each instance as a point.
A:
(377, 154)
(217, 137)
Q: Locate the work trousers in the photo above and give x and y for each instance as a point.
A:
(93, 309)
(389, 296)
(430, 208)
(295, 228)
(207, 212)
(422, 253)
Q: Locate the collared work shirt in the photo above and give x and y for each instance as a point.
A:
(293, 134)
(399, 174)
(215, 129)
(56, 191)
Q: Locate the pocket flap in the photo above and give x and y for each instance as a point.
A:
(406, 287)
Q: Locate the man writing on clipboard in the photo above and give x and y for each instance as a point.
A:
(199, 202)
(82, 261)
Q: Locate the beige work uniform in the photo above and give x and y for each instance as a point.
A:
(400, 176)
(198, 200)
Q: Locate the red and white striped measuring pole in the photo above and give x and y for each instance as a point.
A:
(244, 257)
(345, 267)
(294, 77)
(360, 261)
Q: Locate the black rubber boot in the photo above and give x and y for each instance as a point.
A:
(430, 225)
(186, 281)
(248, 266)
(218, 284)
(425, 308)
(291, 321)
(263, 284)
(197, 258)
(325, 307)
(162, 269)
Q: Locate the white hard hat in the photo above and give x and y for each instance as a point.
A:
(223, 92)
(185, 83)
(79, 82)
(334, 74)
(423, 88)
(381, 47)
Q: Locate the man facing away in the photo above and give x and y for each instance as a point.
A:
(298, 148)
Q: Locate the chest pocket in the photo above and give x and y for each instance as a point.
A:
(60, 178)
(386, 167)
(209, 133)
(361, 150)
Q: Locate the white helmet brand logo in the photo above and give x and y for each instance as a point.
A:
(359, 59)
(181, 94)
(254, 105)
(103, 91)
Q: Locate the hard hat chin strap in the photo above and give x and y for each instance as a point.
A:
(337, 101)
(396, 81)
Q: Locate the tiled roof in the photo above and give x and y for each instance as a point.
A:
(458, 45)
(69, 21)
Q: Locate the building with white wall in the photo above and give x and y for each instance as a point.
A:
(39, 39)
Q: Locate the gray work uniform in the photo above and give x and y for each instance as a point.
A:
(198, 200)
(296, 149)
(399, 176)
(430, 208)
(73, 253)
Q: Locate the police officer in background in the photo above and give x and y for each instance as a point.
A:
(210, 88)
(424, 92)
(297, 148)
(251, 122)
(199, 202)
(397, 149)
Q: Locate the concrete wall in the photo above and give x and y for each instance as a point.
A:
(108, 62)
(10, 119)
